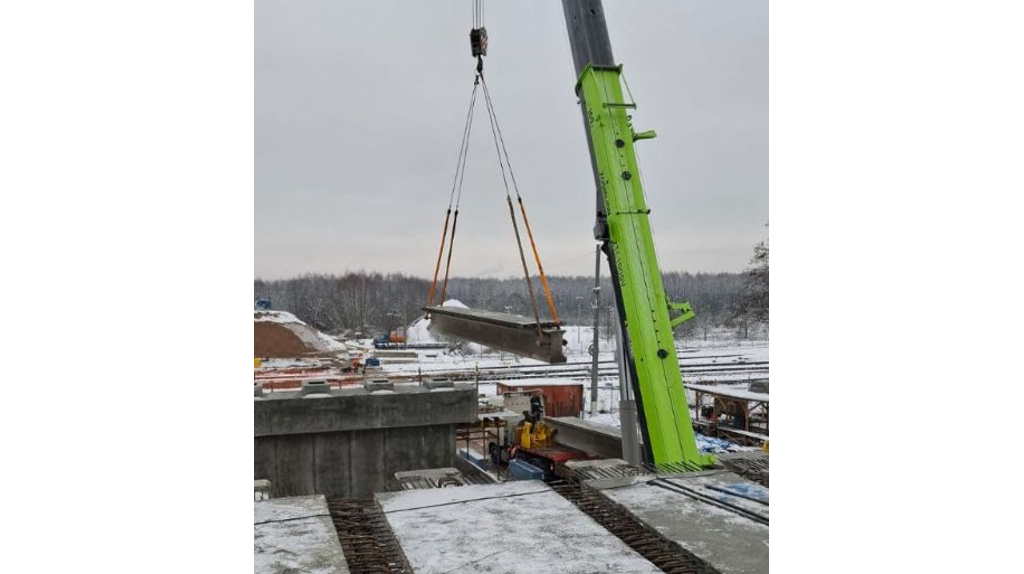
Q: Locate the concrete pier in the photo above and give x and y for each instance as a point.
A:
(349, 443)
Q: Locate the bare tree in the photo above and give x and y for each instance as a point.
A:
(705, 323)
(360, 300)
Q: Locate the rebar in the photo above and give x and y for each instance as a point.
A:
(369, 545)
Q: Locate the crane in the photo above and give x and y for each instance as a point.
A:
(624, 230)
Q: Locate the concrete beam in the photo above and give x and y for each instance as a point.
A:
(511, 333)
(591, 438)
(277, 414)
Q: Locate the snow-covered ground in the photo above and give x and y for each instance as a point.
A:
(732, 363)
(721, 361)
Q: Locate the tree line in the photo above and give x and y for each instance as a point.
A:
(371, 302)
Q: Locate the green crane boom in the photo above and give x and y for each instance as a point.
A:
(623, 227)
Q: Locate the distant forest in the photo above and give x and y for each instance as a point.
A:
(371, 302)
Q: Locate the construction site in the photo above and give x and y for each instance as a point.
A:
(599, 445)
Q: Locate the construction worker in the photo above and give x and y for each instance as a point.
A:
(536, 408)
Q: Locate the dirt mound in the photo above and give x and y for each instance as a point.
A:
(274, 340)
(278, 334)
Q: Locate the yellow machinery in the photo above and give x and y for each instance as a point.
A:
(529, 435)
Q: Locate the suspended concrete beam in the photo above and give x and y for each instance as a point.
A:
(510, 333)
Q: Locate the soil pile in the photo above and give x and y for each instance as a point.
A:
(277, 334)
(274, 340)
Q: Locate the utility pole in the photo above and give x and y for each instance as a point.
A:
(501, 354)
(597, 319)
(579, 319)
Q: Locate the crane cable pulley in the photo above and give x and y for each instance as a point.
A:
(478, 42)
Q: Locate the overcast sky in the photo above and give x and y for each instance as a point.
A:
(360, 107)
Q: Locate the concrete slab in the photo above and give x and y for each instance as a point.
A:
(731, 543)
(296, 536)
(520, 527)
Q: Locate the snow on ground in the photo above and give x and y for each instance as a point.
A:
(509, 368)
(275, 317)
(316, 339)
(418, 331)
(580, 339)
(280, 363)
(735, 355)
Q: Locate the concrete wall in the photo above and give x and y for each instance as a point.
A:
(351, 443)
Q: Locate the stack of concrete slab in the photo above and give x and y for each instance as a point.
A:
(519, 527)
(296, 535)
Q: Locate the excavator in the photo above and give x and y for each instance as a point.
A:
(623, 230)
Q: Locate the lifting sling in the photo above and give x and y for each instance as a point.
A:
(478, 42)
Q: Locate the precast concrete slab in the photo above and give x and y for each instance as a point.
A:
(521, 527)
(296, 536)
(705, 513)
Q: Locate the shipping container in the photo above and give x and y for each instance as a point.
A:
(560, 400)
